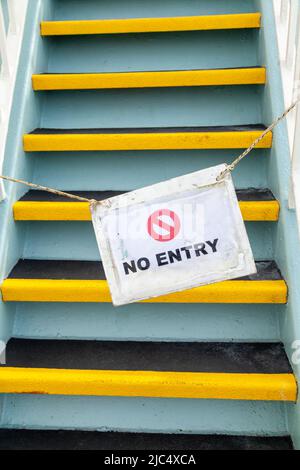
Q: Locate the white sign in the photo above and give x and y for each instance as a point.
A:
(172, 236)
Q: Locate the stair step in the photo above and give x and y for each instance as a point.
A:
(24, 439)
(165, 138)
(158, 415)
(177, 78)
(232, 371)
(256, 205)
(150, 25)
(84, 281)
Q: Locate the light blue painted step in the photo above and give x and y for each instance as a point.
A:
(170, 322)
(100, 171)
(93, 9)
(172, 51)
(149, 415)
(178, 107)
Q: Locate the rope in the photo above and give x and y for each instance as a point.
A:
(235, 162)
(49, 190)
(219, 178)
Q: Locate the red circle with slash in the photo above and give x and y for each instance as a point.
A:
(163, 225)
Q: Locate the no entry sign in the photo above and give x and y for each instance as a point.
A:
(172, 236)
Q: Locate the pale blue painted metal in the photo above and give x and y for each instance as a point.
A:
(212, 49)
(139, 414)
(143, 323)
(94, 9)
(131, 170)
(25, 115)
(212, 106)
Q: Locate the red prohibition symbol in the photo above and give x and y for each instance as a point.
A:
(163, 225)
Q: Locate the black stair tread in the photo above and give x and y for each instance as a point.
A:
(149, 130)
(93, 270)
(260, 358)
(43, 196)
(22, 439)
(250, 194)
(154, 71)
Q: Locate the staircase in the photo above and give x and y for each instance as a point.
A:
(157, 90)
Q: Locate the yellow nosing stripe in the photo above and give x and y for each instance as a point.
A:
(267, 211)
(47, 290)
(68, 211)
(148, 25)
(148, 141)
(270, 387)
(264, 211)
(92, 81)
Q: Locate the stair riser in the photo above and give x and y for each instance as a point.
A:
(148, 322)
(76, 240)
(190, 106)
(134, 169)
(93, 9)
(148, 415)
(171, 51)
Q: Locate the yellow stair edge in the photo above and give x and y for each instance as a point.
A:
(264, 211)
(144, 141)
(48, 290)
(148, 25)
(225, 386)
(180, 78)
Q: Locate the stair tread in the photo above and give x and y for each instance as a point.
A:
(150, 79)
(250, 194)
(84, 281)
(93, 270)
(144, 25)
(234, 358)
(234, 371)
(257, 205)
(145, 138)
(149, 130)
(25, 439)
(130, 72)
